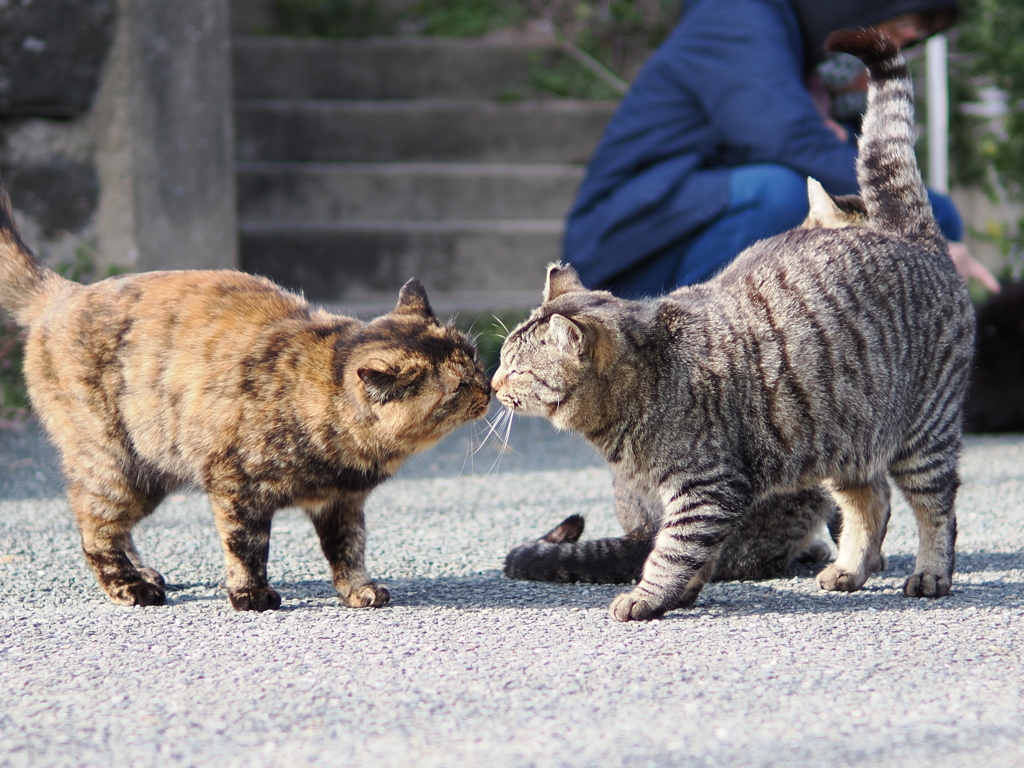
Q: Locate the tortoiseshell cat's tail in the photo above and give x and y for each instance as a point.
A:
(887, 172)
(23, 279)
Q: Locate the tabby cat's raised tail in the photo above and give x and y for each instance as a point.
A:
(23, 279)
(887, 172)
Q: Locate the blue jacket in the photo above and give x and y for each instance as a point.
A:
(725, 89)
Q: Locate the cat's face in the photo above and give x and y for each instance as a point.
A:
(542, 364)
(416, 379)
(549, 363)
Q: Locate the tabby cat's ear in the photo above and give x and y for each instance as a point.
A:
(562, 278)
(412, 300)
(823, 208)
(381, 386)
(567, 334)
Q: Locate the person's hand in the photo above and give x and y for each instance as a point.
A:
(969, 267)
(841, 133)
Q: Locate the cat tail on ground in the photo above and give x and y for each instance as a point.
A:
(560, 556)
(23, 278)
(887, 172)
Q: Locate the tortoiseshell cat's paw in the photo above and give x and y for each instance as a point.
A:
(370, 595)
(629, 606)
(836, 579)
(152, 576)
(259, 599)
(926, 584)
(141, 592)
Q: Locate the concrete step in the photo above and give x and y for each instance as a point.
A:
(383, 67)
(446, 304)
(364, 261)
(418, 131)
(310, 192)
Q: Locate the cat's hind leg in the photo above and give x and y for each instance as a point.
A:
(339, 524)
(105, 520)
(865, 518)
(930, 483)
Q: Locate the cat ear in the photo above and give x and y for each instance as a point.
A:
(381, 386)
(567, 334)
(561, 279)
(823, 207)
(412, 300)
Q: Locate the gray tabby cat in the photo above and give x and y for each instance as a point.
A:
(818, 357)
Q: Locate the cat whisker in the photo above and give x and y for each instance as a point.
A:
(494, 428)
(471, 450)
(504, 442)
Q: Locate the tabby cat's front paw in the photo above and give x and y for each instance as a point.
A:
(368, 596)
(629, 606)
(140, 592)
(836, 579)
(926, 584)
(258, 599)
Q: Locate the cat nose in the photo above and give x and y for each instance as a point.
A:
(500, 377)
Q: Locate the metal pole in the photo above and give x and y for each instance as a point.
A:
(938, 114)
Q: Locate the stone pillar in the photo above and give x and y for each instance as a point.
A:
(165, 138)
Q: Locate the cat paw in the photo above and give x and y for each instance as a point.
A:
(152, 576)
(836, 579)
(877, 563)
(631, 607)
(927, 585)
(368, 596)
(259, 599)
(142, 592)
(817, 552)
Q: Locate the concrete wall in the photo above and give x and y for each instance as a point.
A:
(165, 138)
(138, 172)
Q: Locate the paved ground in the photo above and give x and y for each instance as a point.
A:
(468, 668)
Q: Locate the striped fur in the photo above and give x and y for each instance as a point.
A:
(823, 357)
(223, 381)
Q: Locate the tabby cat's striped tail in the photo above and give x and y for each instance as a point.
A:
(22, 276)
(887, 171)
(560, 556)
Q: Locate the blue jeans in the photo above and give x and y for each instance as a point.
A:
(764, 200)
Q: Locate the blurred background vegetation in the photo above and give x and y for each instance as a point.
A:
(620, 34)
(987, 116)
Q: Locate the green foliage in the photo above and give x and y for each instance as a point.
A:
(361, 18)
(620, 34)
(988, 47)
(563, 76)
(462, 18)
(13, 398)
(86, 267)
(331, 18)
(14, 404)
(490, 331)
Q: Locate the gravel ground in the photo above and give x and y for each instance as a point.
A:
(468, 668)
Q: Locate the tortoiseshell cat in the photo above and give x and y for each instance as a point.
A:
(821, 356)
(224, 381)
